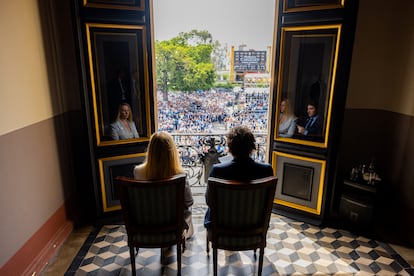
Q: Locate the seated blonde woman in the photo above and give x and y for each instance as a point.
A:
(124, 127)
(162, 161)
(287, 120)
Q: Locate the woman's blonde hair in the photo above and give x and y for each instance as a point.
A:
(288, 109)
(162, 157)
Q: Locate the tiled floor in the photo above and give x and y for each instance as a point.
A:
(293, 248)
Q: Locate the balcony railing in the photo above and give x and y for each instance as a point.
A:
(199, 151)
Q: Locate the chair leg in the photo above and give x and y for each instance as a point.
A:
(179, 259)
(132, 258)
(215, 261)
(261, 261)
(255, 256)
(207, 244)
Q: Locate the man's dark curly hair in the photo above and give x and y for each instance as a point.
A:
(241, 141)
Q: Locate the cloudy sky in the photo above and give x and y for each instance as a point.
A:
(234, 22)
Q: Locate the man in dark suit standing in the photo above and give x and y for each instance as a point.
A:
(241, 143)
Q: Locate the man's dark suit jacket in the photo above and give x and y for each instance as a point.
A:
(238, 169)
(316, 128)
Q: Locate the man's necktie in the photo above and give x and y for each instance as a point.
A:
(309, 122)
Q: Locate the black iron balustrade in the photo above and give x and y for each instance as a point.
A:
(199, 151)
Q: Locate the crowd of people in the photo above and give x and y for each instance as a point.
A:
(210, 111)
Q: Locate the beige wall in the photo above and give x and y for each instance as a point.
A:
(24, 89)
(31, 181)
(383, 59)
(379, 119)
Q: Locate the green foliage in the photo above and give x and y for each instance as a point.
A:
(196, 37)
(184, 62)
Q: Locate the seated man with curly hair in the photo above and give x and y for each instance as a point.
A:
(241, 143)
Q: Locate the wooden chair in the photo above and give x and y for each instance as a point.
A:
(153, 212)
(240, 215)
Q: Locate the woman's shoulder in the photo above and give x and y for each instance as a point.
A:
(292, 117)
(115, 124)
(139, 172)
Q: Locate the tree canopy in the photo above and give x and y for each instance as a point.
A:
(184, 63)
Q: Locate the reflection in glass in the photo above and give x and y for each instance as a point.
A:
(119, 91)
(119, 71)
(314, 122)
(124, 126)
(308, 63)
(287, 120)
(118, 82)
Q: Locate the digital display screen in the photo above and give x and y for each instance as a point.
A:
(250, 61)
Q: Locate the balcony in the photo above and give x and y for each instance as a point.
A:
(199, 151)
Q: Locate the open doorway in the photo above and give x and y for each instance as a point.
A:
(200, 98)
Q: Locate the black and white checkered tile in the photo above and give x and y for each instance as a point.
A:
(293, 248)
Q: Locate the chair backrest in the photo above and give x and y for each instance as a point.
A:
(241, 208)
(152, 207)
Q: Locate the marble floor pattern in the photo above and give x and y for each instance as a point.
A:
(293, 248)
